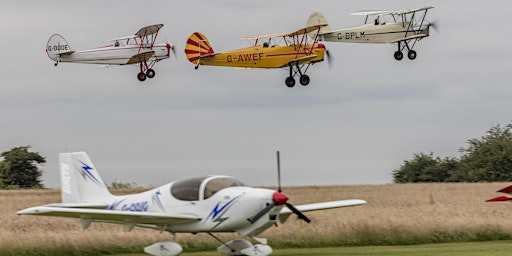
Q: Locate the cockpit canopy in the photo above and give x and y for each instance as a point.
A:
(200, 188)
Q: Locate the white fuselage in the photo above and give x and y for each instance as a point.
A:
(115, 55)
(371, 33)
(228, 210)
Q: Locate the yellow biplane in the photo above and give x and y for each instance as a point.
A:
(294, 51)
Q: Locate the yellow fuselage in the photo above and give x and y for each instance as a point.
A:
(265, 57)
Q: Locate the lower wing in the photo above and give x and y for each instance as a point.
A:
(121, 217)
(141, 57)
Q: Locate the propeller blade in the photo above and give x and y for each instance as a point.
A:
(278, 172)
(262, 212)
(298, 213)
(329, 58)
(434, 24)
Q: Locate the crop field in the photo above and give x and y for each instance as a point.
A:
(396, 214)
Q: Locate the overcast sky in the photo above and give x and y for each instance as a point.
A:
(354, 124)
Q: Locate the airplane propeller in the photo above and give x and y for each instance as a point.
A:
(435, 25)
(279, 198)
(171, 47)
(329, 58)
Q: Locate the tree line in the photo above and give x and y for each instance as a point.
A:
(484, 159)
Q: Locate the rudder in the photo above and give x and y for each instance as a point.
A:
(317, 18)
(57, 46)
(80, 181)
(197, 45)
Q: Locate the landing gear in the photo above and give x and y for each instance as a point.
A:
(304, 80)
(150, 73)
(404, 45)
(141, 76)
(399, 55)
(411, 54)
(297, 71)
(290, 82)
(146, 70)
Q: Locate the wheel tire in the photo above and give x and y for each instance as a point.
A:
(304, 80)
(290, 82)
(150, 73)
(411, 54)
(399, 55)
(141, 76)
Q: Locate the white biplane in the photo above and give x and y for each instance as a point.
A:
(137, 49)
(206, 204)
(405, 28)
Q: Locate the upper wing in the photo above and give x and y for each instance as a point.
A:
(285, 211)
(295, 33)
(366, 13)
(412, 10)
(110, 215)
(141, 57)
(149, 30)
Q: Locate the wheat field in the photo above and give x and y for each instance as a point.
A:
(393, 212)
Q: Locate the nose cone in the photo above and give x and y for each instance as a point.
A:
(168, 46)
(280, 198)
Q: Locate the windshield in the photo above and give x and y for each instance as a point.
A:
(187, 190)
(215, 185)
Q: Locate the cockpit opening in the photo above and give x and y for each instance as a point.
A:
(190, 189)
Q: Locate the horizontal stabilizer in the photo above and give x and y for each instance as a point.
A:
(111, 215)
(500, 199)
(141, 57)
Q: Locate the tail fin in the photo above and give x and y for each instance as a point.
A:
(80, 180)
(57, 46)
(197, 46)
(317, 18)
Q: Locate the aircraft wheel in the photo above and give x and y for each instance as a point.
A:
(304, 80)
(399, 55)
(411, 54)
(150, 73)
(141, 76)
(290, 82)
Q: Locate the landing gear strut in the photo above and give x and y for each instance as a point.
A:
(297, 70)
(411, 54)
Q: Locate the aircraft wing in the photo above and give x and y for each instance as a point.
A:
(300, 61)
(507, 190)
(416, 36)
(370, 13)
(110, 215)
(292, 34)
(141, 57)
(148, 30)
(401, 12)
(285, 211)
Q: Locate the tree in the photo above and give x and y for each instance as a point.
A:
(488, 158)
(424, 168)
(19, 168)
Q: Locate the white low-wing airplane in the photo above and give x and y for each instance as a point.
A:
(137, 49)
(404, 27)
(202, 204)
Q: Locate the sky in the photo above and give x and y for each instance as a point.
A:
(354, 124)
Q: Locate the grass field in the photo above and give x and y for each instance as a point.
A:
(396, 214)
(501, 248)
